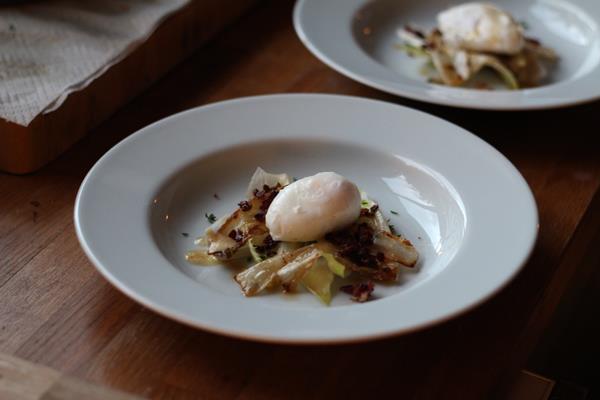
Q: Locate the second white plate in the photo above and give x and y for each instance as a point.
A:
(357, 38)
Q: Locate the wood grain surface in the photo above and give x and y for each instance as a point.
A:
(22, 380)
(55, 309)
(24, 149)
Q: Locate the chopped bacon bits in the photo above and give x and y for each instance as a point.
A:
(354, 244)
(386, 274)
(268, 246)
(266, 195)
(236, 235)
(260, 216)
(267, 200)
(245, 205)
(360, 292)
(369, 212)
(269, 242)
(261, 193)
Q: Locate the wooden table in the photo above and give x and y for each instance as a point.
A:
(56, 310)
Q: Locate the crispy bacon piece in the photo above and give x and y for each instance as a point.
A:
(360, 292)
(354, 244)
(245, 205)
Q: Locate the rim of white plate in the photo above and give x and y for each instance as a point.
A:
(118, 222)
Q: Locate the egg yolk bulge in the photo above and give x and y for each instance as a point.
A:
(313, 206)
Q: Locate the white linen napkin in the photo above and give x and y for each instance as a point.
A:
(51, 48)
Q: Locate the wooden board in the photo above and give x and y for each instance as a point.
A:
(22, 380)
(25, 149)
(56, 310)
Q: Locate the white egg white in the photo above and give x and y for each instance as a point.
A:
(481, 27)
(311, 207)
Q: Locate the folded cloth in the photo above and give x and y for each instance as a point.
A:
(49, 49)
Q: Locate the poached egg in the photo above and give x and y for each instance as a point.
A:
(313, 206)
(481, 27)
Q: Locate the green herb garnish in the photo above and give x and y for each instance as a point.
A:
(210, 217)
(185, 234)
(394, 212)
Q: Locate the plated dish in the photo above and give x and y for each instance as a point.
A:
(531, 54)
(471, 37)
(140, 207)
(305, 232)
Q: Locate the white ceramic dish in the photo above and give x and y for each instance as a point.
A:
(357, 37)
(467, 209)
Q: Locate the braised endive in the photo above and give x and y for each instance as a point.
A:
(364, 249)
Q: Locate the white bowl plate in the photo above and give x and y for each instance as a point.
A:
(357, 38)
(467, 210)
